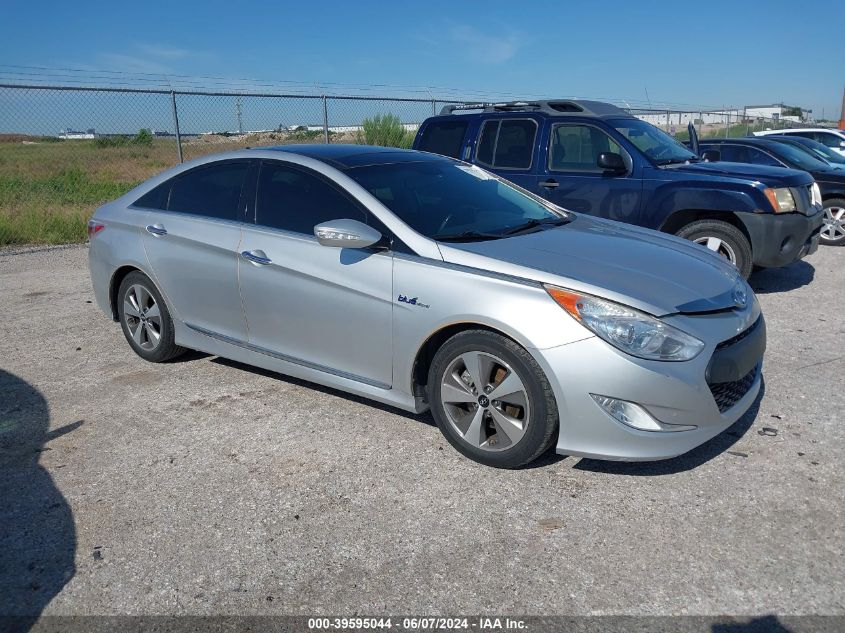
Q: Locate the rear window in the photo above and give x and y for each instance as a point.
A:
(507, 144)
(443, 137)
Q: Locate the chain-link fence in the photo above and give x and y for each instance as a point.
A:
(65, 150)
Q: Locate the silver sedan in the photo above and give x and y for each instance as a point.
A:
(423, 282)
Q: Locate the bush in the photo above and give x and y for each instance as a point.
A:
(385, 130)
(144, 138)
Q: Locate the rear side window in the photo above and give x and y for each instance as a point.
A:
(213, 191)
(444, 137)
(507, 144)
(156, 198)
(296, 200)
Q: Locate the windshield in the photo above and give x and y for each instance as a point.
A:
(822, 151)
(446, 200)
(653, 142)
(798, 157)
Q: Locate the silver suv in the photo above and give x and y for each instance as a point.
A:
(420, 281)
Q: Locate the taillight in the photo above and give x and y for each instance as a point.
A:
(94, 228)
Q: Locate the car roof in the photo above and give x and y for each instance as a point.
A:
(347, 156)
(549, 107)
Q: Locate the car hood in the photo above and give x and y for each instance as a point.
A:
(652, 271)
(780, 176)
(833, 176)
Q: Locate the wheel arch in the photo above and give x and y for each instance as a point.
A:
(680, 219)
(425, 353)
(117, 278)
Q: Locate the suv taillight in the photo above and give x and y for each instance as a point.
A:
(94, 228)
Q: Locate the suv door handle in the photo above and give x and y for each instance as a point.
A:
(156, 229)
(551, 183)
(256, 257)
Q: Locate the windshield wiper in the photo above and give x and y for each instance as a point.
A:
(467, 236)
(677, 161)
(535, 223)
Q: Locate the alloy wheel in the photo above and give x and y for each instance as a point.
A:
(718, 245)
(485, 401)
(142, 316)
(834, 223)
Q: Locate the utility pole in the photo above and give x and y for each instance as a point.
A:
(238, 114)
(842, 113)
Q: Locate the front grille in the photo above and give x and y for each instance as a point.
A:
(727, 394)
(741, 335)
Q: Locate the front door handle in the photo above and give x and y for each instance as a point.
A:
(550, 183)
(156, 229)
(257, 257)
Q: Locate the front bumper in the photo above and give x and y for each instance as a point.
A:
(780, 239)
(673, 393)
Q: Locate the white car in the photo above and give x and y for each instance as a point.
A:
(833, 138)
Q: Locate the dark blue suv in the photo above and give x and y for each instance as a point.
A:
(595, 158)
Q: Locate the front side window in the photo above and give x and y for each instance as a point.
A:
(577, 147)
(653, 142)
(444, 137)
(213, 190)
(292, 199)
(443, 200)
(507, 143)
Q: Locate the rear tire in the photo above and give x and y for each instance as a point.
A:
(519, 420)
(145, 319)
(833, 229)
(723, 238)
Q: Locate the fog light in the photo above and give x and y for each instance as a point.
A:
(635, 416)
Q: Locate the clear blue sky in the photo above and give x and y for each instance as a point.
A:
(709, 53)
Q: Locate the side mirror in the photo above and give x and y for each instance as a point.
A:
(713, 155)
(841, 144)
(346, 234)
(611, 161)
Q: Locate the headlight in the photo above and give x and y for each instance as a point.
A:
(780, 199)
(817, 195)
(629, 330)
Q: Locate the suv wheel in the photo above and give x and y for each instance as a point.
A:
(722, 238)
(833, 229)
(145, 319)
(491, 400)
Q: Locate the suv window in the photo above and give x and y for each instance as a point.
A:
(444, 137)
(211, 190)
(831, 140)
(577, 147)
(296, 200)
(744, 154)
(507, 143)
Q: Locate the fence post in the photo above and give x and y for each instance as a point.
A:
(668, 123)
(325, 120)
(727, 121)
(433, 108)
(176, 124)
(700, 122)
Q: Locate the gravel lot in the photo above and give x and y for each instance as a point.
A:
(207, 487)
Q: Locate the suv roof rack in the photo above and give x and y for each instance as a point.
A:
(547, 106)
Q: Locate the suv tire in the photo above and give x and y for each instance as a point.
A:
(723, 238)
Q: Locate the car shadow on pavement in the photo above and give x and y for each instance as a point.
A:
(38, 535)
(418, 417)
(764, 624)
(696, 457)
(784, 279)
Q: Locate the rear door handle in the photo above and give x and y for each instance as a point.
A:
(156, 229)
(550, 183)
(257, 257)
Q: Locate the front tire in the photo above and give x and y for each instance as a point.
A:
(833, 229)
(722, 238)
(145, 319)
(491, 400)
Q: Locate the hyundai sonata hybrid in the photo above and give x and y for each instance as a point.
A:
(423, 282)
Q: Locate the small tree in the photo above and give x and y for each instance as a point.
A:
(143, 137)
(385, 130)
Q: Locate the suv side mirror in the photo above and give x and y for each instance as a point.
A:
(713, 155)
(346, 234)
(611, 161)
